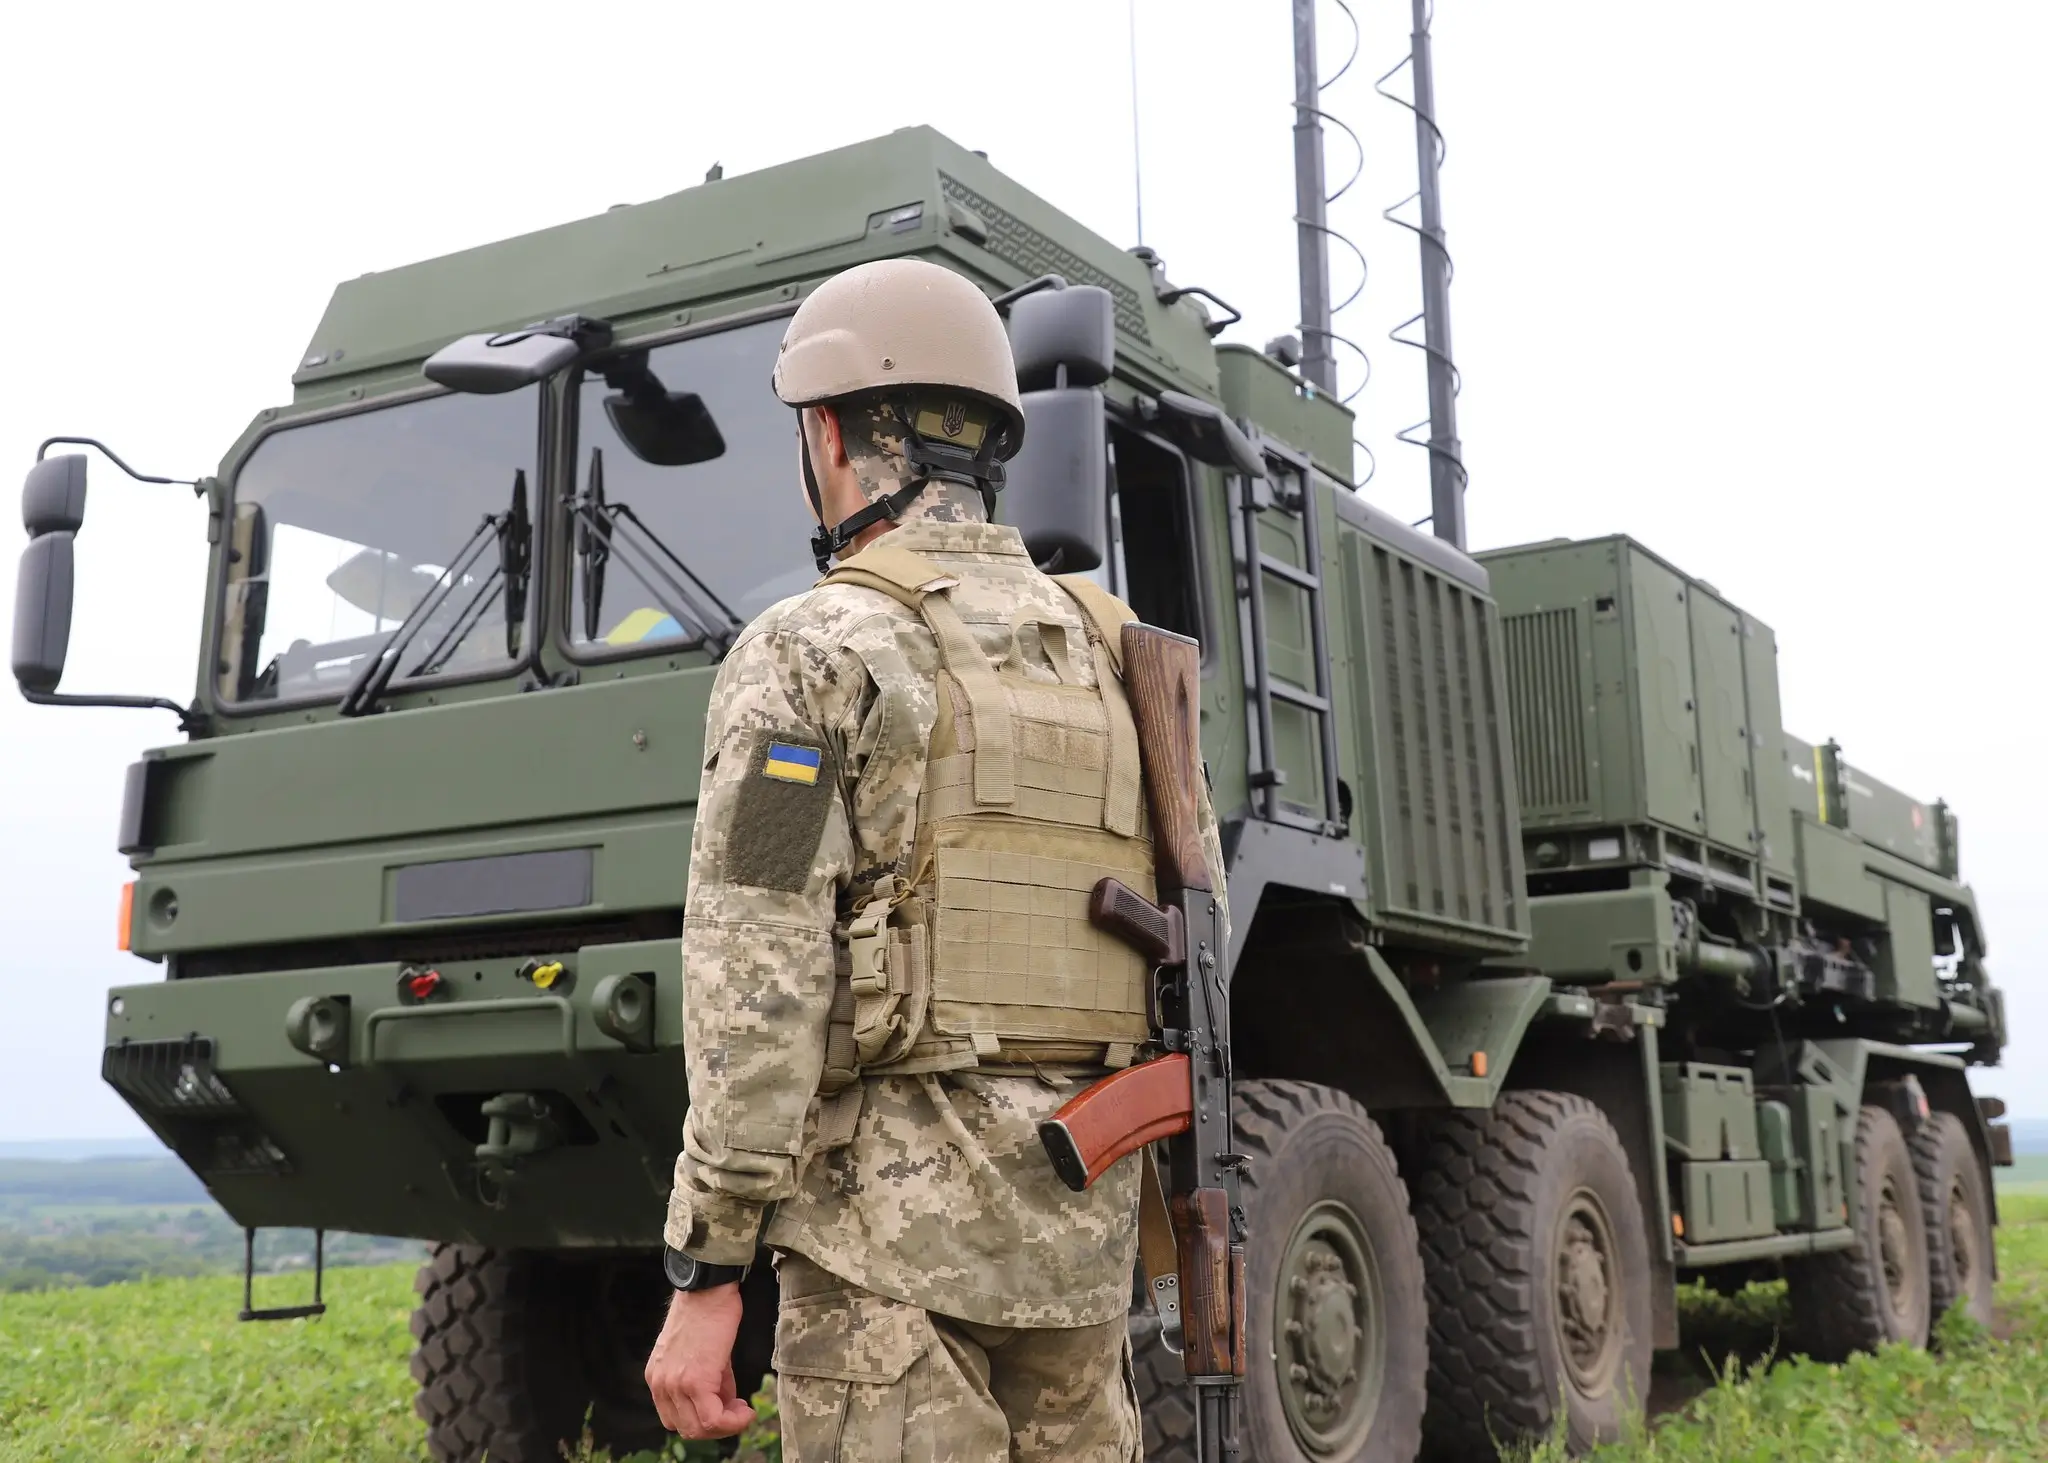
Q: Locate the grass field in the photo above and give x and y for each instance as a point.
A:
(160, 1369)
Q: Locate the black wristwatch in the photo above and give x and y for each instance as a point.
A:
(686, 1274)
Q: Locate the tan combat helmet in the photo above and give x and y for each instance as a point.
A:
(926, 342)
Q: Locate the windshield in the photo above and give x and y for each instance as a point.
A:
(341, 527)
(684, 554)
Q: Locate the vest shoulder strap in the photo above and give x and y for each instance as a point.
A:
(905, 577)
(1105, 612)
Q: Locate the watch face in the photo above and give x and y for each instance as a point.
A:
(680, 1268)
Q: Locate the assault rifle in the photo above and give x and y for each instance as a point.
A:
(1182, 1097)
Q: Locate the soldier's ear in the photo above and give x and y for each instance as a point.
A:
(828, 441)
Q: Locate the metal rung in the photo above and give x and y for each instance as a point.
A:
(1281, 569)
(1284, 692)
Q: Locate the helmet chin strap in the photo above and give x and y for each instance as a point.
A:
(932, 461)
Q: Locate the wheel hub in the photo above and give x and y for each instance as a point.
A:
(1588, 1301)
(1327, 1315)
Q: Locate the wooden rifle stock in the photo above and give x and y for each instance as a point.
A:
(1163, 679)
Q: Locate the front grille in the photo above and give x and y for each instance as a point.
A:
(492, 942)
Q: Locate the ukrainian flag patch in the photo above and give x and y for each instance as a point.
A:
(789, 763)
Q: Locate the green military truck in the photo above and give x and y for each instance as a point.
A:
(1558, 968)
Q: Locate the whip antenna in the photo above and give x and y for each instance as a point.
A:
(1137, 157)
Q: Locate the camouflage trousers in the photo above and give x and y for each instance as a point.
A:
(861, 1378)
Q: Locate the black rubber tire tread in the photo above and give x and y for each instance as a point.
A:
(1271, 1116)
(1942, 1152)
(489, 1383)
(1838, 1299)
(1480, 1183)
(1165, 1400)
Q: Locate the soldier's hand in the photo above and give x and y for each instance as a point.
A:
(690, 1369)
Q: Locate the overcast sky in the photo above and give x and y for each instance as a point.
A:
(1759, 283)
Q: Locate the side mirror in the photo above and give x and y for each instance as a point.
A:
(1064, 337)
(42, 611)
(53, 510)
(53, 496)
(1203, 431)
(1057, 488)
(486, 365)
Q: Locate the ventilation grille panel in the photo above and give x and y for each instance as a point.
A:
(1547, 708)
(1449, 828)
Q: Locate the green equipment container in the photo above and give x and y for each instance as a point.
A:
(1709, 1112)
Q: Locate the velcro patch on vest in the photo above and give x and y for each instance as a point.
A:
(777, 821)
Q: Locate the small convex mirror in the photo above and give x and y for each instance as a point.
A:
(53, 496)
(486, 365)
(1064, 337)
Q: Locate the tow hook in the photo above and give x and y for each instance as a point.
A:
(522, 1124)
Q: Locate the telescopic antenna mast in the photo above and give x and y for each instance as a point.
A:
(1446, 461)
(1311, 225)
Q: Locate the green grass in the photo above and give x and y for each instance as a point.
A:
(1974, 1397)
(160, 1369)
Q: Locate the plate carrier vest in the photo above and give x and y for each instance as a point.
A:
(1031, 794)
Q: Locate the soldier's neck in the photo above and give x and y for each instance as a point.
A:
(938, 503)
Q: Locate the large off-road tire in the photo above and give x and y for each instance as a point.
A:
(1874, 1292)
(494, 1378)
(1957, 1201)
(518, 1351)
(1336, 1324)
(1539, 1276)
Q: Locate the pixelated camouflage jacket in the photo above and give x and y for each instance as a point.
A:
(815, 752)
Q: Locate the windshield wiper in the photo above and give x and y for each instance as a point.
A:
(688, 599)
(509, 578)
(369, 682)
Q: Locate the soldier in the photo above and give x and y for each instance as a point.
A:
(913, 774)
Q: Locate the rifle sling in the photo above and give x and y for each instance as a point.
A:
(1157, 1255)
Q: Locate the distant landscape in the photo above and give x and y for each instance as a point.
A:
(100, 1213)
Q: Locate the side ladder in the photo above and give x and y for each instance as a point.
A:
(1288, 490)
